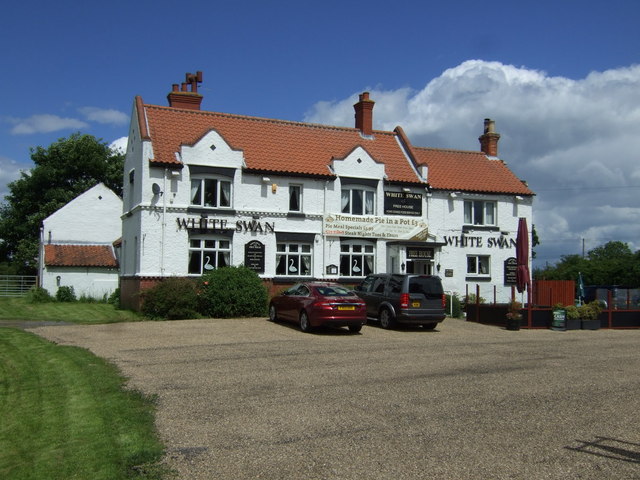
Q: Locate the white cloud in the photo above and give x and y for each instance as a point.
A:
(119, 145)
(574, 141)
(9, 171)
(104, 115)
(44, 123)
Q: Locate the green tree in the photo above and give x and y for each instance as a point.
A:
(62, 171)
(610, 264)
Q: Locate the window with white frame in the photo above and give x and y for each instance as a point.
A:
(293, 259)
(479, 212)
(478, 265)
(207, 254)
(357, 258)
(295, 198)
(211, 192)
(358, 201)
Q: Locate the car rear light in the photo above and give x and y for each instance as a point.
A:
(323, 305)
(444, 301)
(404, 300)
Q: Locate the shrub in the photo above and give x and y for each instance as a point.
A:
(590, 311)
(232, 292)
(66, 294)
(173, 298)
(471, 298)
(38, 295)
(452, 300)
(114, 298)
(572, 312)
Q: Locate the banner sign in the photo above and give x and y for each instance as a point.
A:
(396, 228)
(403, 203)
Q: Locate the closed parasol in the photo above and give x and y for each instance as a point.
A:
(522, 256)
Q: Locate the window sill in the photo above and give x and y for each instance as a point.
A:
(296, 215)
(482, 228)
(478, 278)
(206, 210)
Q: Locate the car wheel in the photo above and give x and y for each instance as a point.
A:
(273, 315)
(429, 326)
(305, 326)
(355, 328)
(386, 319)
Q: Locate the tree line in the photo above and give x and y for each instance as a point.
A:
(613, 263)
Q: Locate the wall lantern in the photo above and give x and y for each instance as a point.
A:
(403, 266)
(332, 269)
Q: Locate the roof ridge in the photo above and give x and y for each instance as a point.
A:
(265, 119)
(453, 150)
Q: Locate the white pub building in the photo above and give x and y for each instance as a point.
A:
(297, 201)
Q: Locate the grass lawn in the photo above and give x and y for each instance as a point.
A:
(18, 308)
(66, 415)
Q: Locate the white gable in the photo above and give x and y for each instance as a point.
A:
(212, 150)
(358, 164)
(91, 217)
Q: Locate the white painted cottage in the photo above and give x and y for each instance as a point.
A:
(299, 201)
(77, 244)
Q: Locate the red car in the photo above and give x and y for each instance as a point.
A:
(313, 304)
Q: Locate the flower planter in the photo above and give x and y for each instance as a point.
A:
(513, 324)
(573, 324)
(590, 324)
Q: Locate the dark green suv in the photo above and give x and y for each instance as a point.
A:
(407, 299)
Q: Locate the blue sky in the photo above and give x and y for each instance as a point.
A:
(560, 78)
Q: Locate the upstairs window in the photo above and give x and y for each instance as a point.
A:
(358, 201)
(210, 192)
(479, 212)
(295, 198)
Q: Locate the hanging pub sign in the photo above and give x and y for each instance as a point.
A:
(403, 203)
(419, 253)
(510, 268)
(254, 256)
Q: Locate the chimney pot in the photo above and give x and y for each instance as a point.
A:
(181, 97)
(489, 139)
(364, 114)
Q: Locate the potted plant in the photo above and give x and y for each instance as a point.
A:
(572, 317)
(589, 315)
(514, 316)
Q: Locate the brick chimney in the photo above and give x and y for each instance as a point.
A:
(489, 139)
(364, 114)
(182, 97)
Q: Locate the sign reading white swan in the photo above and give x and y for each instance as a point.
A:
(397, 228)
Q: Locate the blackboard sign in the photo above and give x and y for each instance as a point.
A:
(402, 203)
(510, 268)
(254, 256)
(559, 321)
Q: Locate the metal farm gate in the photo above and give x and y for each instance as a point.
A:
(16, 285)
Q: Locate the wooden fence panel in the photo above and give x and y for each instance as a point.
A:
(550, 292)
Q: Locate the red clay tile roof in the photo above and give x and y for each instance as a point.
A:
(285, 147)
(273, 145)
(79, 256)
(469, 171)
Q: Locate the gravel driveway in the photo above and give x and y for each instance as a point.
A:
(246, 398)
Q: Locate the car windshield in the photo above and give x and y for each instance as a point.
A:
(333, 291)
(425, 285)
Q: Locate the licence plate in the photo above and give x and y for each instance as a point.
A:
(350, 307)
(415, 304)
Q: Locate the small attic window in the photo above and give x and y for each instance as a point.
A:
(212, 147)
(359, 160)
